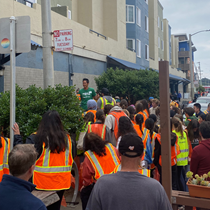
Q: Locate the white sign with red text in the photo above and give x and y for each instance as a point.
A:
(63, 40)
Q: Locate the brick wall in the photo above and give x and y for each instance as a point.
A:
(28, 76)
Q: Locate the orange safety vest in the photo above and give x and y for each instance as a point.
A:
(99, 129)
(144, 136)
(117, 115)
(4, 153)
(53, 170)
(154, 136)
(144, 114)
(94, 112)
(142, 171)
(103, 164)
(174, 152)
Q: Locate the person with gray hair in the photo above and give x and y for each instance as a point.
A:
(15, 190)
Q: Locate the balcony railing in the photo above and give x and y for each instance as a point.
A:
(184, 67)
(98, 34)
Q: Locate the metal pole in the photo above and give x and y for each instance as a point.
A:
(48, 70)
(191, 69)
(12, 79)
(165, 126)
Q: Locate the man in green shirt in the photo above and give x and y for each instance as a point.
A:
(86, 93)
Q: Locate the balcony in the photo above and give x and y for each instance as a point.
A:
(184, 67)
(183, 54)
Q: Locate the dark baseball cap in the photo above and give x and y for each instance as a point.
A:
(105, 91)
(131, 143)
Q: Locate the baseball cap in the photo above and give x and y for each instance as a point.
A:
(150, 98)
(105, 91)
(131, 143)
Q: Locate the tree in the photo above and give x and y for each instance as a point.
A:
(134, 84)
(33, 102)
(200, 89)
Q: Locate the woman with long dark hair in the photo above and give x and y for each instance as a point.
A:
(125, 126)
(55, 156)
(100, 158)
(144, 135)
(132, 112)
(145, 107)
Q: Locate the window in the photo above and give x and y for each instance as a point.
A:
(130, 14)
(158, 42)
(158, 22)
(181, 61)
(162, 44)
(28, 4)
(146, 1)
(146, 52)
(138, 16)
(131, 44)
(162, 25)
(182, 49)
(138, 48)
(146, 24)
(69, 14)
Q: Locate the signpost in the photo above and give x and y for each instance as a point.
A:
(15, 37)
(63, 40)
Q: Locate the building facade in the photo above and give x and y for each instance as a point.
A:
(137, 30)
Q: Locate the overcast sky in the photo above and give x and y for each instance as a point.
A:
(190, 16)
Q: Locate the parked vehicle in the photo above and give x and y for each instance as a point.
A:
(203, 101)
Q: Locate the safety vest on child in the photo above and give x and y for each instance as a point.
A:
(175, 151)
(4, 153)
(144, 116)
(105, 102)
(144, 136)
(93, 111)
(142, 171)
(53, 170)
(99, 129)
(154, 136)
(103, 164)
(117, 115)
(182, 158)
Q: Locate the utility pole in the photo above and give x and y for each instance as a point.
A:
(48, 68)
(12, 78)
(200, 73)
(191, 69)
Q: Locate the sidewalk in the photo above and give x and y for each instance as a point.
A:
(68, 197)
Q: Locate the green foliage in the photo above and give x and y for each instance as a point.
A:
(33, 102)
(200, 89)
(134, 84)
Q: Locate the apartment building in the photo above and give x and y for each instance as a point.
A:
(99, 38)
(137, 30)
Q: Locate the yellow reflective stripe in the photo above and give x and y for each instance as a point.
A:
(119, 167)
(46, 157)
(144, 135)
(5, 159)
(112, 153)
(144, 172)
(90, 129)
(1, 167)
(51, 169)
(102, 135)
(67, 152)
(95, 162)
(145, 114)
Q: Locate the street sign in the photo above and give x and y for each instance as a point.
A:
(63, 40)
(22, 35)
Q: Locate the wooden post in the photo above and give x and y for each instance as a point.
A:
(165, 126)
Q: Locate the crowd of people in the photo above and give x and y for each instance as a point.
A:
(119, 152)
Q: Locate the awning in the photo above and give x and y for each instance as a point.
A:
(174, 77)
(123, 64)
(35, 44)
